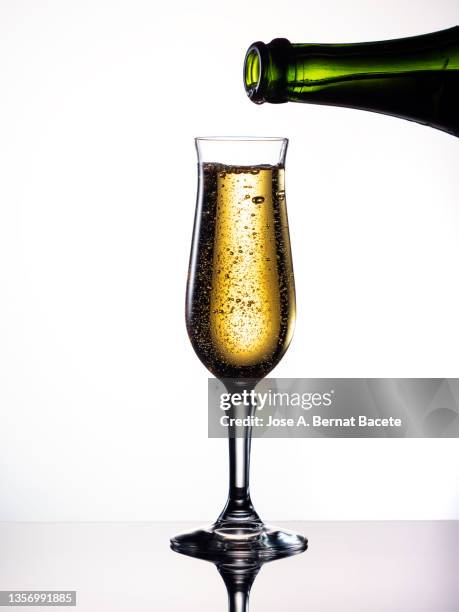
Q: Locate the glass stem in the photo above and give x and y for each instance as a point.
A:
(239, 508)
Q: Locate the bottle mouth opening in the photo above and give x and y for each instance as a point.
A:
(253, 72)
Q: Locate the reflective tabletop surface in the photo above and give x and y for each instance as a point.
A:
(358, 566)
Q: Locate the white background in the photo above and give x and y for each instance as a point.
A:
(102, 400)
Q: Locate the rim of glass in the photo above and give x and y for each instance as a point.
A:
(242, 138)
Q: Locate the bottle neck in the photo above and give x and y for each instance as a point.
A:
(280, 71)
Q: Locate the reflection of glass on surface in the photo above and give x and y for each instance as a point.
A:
(410, 565)
(239, 572)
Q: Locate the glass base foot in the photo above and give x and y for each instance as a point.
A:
(257, 543)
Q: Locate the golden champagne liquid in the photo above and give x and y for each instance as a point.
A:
(241, 296)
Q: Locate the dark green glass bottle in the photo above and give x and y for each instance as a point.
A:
(414, 78)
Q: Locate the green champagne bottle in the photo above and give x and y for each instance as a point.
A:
(414, 78)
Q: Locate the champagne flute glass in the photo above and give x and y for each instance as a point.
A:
(240, 312)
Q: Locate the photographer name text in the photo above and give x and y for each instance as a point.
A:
(314, 421)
